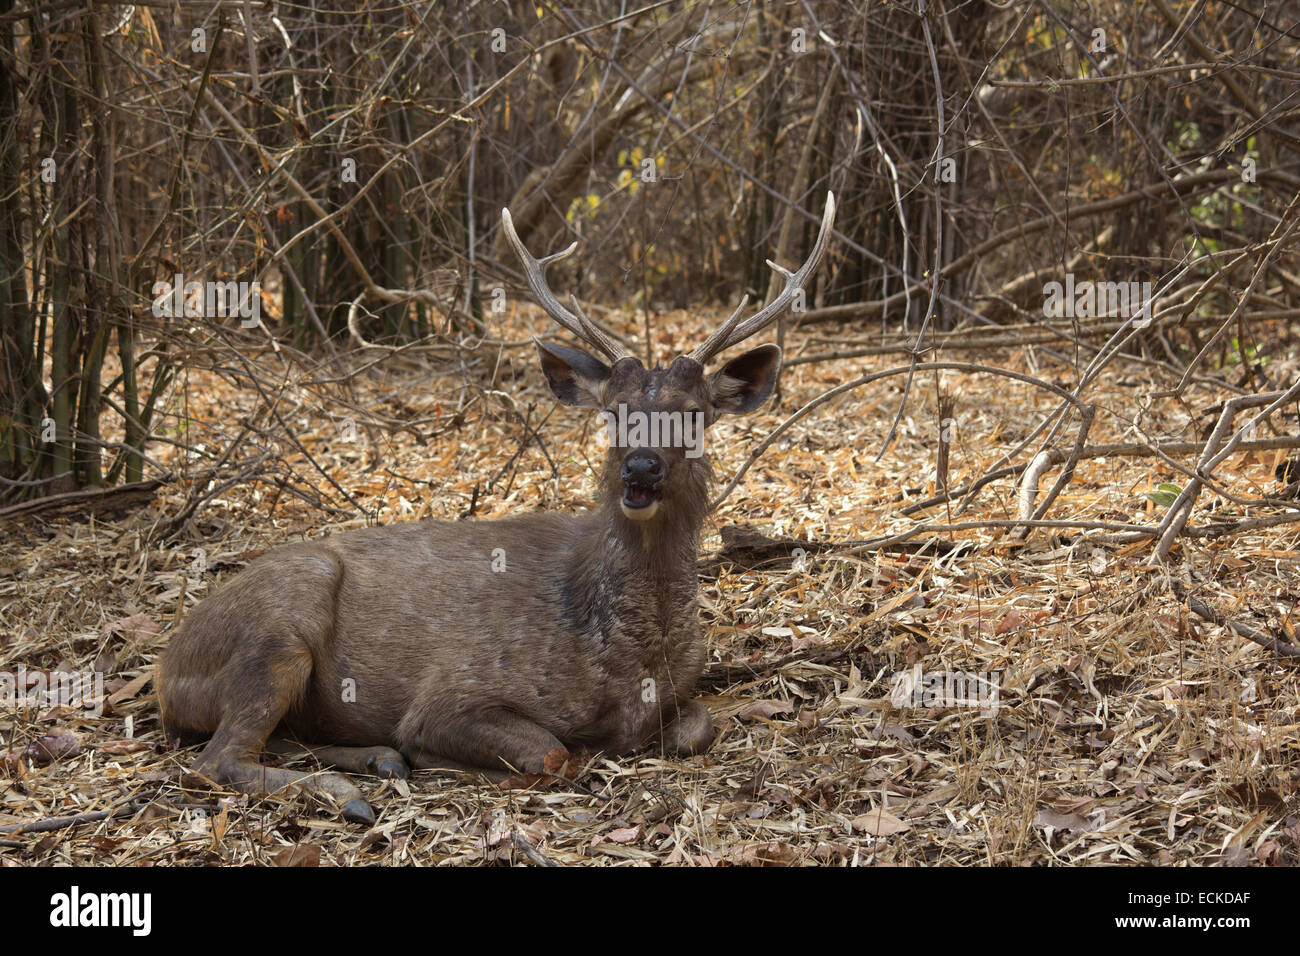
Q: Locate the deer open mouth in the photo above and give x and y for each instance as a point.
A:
(637, 496)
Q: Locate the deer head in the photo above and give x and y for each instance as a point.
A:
(656, 418)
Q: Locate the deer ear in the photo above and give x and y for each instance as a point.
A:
(744, 383)
(574, 376)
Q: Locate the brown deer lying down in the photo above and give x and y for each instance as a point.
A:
(486, 644)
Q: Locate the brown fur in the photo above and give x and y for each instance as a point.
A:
(587, 638)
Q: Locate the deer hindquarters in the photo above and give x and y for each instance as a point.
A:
(242, 660)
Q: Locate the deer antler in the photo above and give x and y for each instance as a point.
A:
(734, 331)
(575, 321)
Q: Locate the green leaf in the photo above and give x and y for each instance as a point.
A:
(1166, 494)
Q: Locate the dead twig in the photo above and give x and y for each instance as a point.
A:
(1250, 632)
(127, 806)
(527, 849)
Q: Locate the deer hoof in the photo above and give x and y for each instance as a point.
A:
(358, 811)
(392, 768)
(387, 763)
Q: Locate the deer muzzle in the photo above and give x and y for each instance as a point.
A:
(642, 473)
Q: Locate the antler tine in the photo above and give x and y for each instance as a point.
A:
(732, 333)
(713, 344)
(535, 272)
(594, 334)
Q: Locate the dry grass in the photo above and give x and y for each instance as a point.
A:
(1128, 731)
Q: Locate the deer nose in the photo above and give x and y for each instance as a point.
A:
(643, 468)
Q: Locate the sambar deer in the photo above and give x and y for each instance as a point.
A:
(485, 644)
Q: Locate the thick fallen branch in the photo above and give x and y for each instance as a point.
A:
(1056, 456)
(1029, 487)
(119, 497)
(1181, 509)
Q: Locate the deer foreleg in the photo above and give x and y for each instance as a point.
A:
(690, 732)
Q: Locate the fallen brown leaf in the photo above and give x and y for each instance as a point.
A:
(763, 854)
(624, 834)
(765, 709)
(303, 854)
(132, 628)
(879, 823)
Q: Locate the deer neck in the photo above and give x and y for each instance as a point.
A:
(663, 550)
(639, 578)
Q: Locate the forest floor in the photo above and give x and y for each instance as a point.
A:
(1125, 728)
